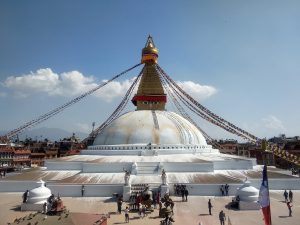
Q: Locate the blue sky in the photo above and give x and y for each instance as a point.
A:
(243, 56)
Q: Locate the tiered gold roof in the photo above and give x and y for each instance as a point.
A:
(150, 94)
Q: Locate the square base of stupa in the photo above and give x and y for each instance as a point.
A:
(249, 205)
(32, 207)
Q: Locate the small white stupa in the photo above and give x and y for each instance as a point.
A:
(36, 198)
(248, 196)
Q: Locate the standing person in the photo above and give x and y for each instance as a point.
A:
(119, 203)
(45, 208)
(222, 217)
(289, 205)
(154, 201)
(182, 193)
(209, 206)
(82, 190)
(285, 194)
(186, 193)
(126, 215)
(291, 196)
(222, 190)
(144, 210)
(25, 196)
(226, 189)
(140, 209)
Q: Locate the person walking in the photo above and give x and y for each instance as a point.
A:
(126, 215)
(186, 193)
(222, 217)
(285, 194)
(209, 206)
(291, 196)
(289, 205)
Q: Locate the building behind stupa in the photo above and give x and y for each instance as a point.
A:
(144, 142)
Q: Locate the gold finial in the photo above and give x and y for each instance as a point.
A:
(149, 52)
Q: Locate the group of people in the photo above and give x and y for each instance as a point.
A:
(55, 205)
(288, 198)
(224, 189)
(141, 203)
(181, 190)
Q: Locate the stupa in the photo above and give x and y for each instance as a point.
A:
(138, 146)
(36, 198)
(248, 196)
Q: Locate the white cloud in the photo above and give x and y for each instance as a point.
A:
(114, 89)
(73, 83)
(197, 91)
(273, 123)
(46, 81)
(2, 94)
(84, 127)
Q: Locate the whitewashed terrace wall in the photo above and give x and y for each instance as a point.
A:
(188, 167)
(63, 165)
(233, 164)
(106, 167)
(207, 189)
(106, 190)
(278, 184)
(17, 186)
(93, 190)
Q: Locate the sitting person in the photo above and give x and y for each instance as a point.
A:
(235, 203)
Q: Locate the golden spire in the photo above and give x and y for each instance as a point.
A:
(150, 94)
(149, 52)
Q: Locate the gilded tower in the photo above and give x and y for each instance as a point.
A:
(150, 94)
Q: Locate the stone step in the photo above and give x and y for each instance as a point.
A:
(146, 168)
(147, 163)
(147, 171)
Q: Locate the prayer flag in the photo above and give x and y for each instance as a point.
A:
(264, 198)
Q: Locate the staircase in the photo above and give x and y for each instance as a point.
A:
(147, 168)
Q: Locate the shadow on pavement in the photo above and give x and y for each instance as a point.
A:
(16, 208)
(283, 216)
(154, 217)
(229, 207)
(110, 200)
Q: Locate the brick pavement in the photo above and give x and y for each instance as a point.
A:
(186, 213)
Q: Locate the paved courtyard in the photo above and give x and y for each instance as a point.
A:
(186, 213)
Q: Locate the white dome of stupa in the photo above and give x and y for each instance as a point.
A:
(39, 194)
(147, 126)
(247, 192)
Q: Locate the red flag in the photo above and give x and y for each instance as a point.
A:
(264, 198)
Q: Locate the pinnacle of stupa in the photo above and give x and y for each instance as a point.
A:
(150, 94)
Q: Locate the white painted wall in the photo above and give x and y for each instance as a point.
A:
(106, 167)
(188, 167)
(93, 190)
(233, 164)
(100, 190)
(57, 165)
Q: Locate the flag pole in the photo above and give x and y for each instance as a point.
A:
(264, 198)
(269, 195)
